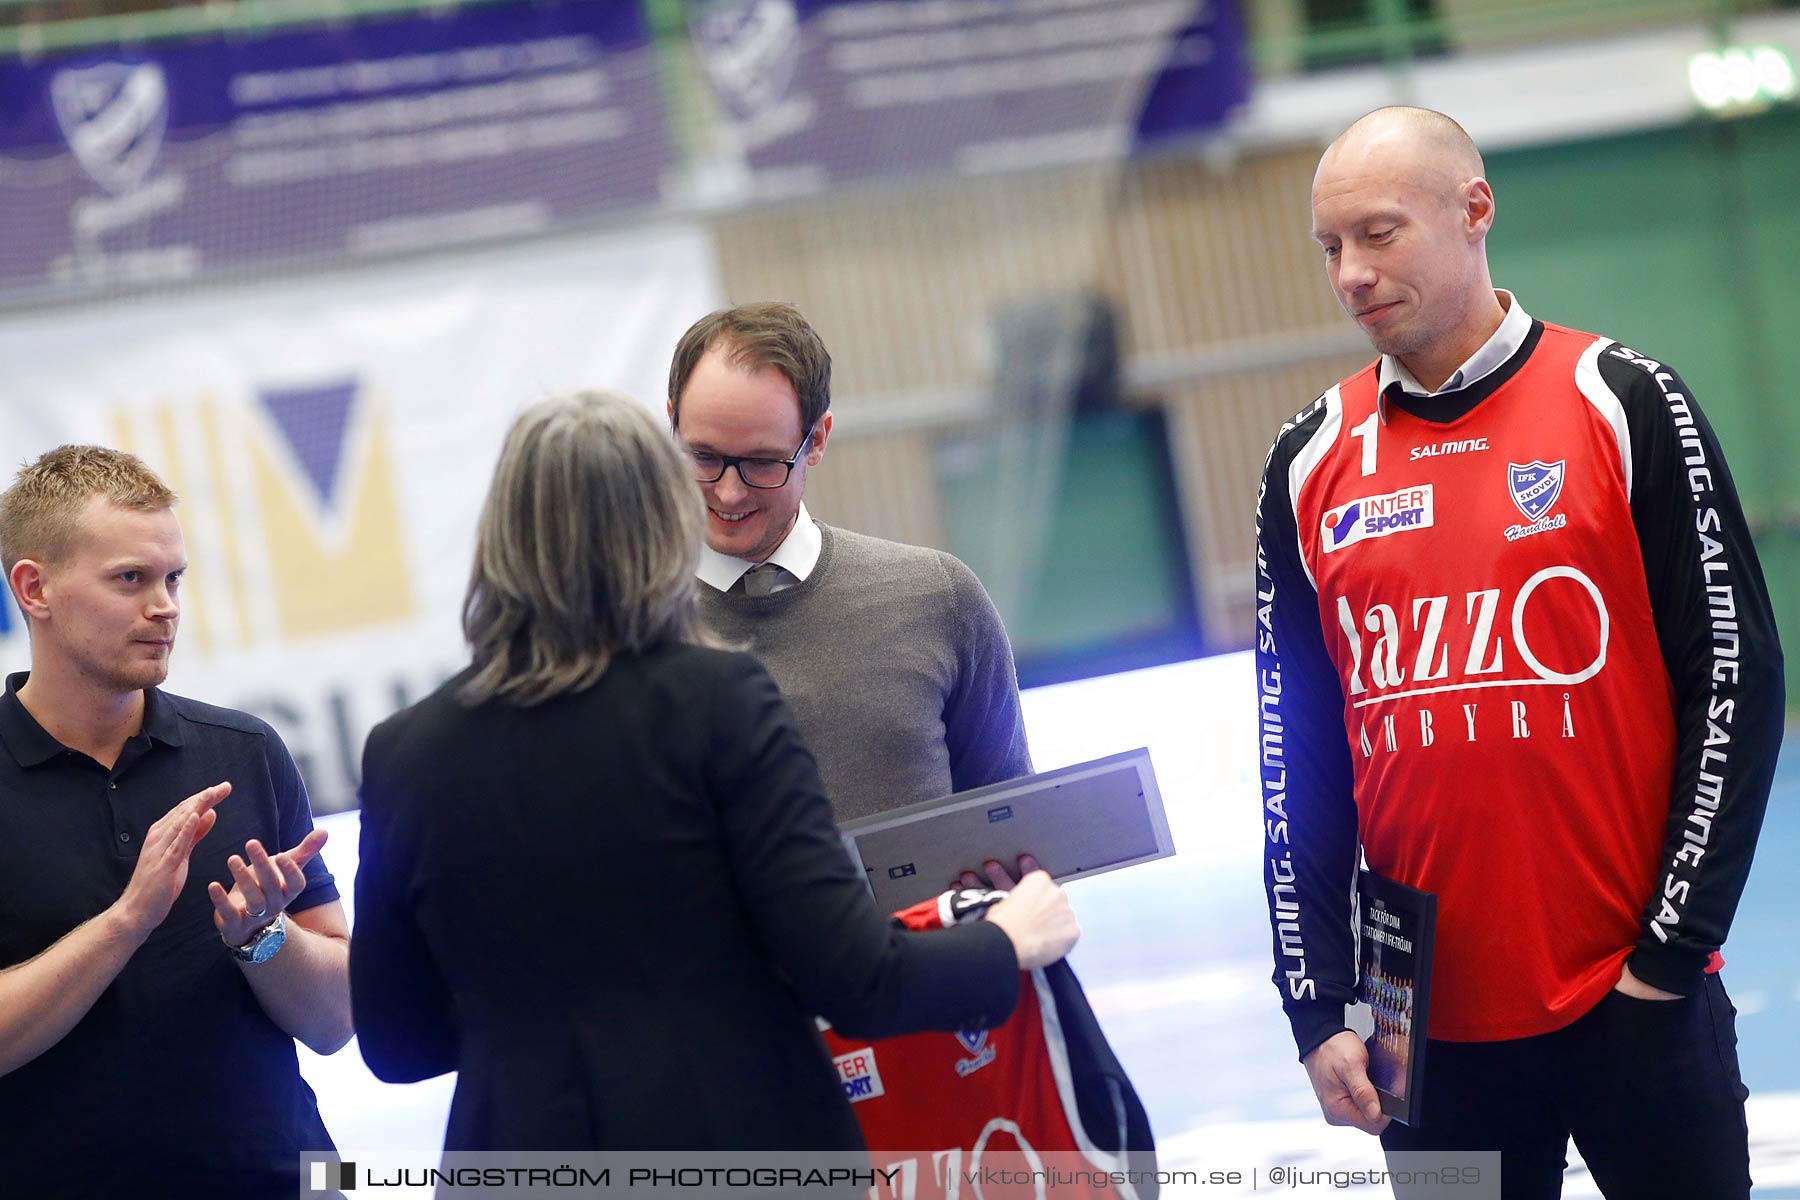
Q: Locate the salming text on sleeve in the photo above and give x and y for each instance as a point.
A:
(1717, 633)
(1309, 818)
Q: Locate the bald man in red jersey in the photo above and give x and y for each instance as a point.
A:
(1514, 648)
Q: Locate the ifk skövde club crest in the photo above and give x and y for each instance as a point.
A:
(1535, 486)
(113, 115)
(750, 50)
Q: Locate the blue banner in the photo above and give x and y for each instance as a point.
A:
(820, 92)
(175, 161)
(184, 160)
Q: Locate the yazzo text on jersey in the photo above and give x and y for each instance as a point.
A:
(1481, 642)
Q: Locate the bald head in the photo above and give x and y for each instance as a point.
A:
(1402, 213)
(1414, 146)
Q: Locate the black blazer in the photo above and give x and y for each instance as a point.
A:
(616, 913)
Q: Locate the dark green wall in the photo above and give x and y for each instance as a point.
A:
(1685, 245)
(1110, 588)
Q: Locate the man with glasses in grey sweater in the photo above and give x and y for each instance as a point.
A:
(892, 656)
(900, 675)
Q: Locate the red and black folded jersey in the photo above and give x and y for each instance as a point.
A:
(1515, 648)
(937, 1106)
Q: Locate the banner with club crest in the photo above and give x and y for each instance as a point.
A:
(171, 161)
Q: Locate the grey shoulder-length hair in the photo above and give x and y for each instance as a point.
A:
(587, 548)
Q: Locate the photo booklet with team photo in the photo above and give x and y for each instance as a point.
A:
(1395, 923)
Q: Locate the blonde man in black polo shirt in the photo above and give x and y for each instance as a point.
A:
(157, 961)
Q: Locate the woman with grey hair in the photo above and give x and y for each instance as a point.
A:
(599, 876)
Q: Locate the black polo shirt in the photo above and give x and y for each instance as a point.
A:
(175, 1082)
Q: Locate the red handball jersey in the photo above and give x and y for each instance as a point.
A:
(941, 1107)
(1517, 631)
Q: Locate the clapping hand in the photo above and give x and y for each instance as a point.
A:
(162, 865)
(265, 886)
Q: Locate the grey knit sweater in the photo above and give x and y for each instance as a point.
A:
(897, 668)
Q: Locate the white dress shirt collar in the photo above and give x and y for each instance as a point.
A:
(1494, 352)
(798, 554)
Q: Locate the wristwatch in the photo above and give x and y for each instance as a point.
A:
(265, 943)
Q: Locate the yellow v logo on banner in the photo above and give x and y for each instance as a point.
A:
(290, 508)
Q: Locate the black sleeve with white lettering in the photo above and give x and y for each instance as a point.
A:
(1309, 812)
(1717, 633)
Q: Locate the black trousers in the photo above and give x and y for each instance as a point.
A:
(1649, 1090)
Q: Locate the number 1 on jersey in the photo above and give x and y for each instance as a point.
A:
(1366, 431)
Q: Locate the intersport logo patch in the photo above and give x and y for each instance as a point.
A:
(1377, 516)
(859, 1075)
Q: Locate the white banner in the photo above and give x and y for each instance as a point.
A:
(332, 438)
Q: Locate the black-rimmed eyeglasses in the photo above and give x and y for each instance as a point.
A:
(755, 472)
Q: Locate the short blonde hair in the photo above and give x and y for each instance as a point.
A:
(40, 514)
(587, 547)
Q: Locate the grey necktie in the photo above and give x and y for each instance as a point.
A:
(764, 579)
